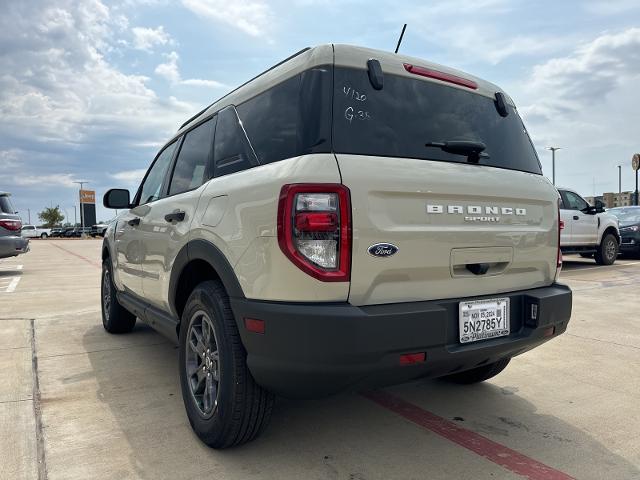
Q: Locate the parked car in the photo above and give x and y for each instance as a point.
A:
(11, 242)
(70, 232)
(355, 218)
(31, 231)
(99, 229)
(588, 230)
(57, 232)
(629, 218)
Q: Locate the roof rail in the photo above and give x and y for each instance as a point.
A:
(245, 83)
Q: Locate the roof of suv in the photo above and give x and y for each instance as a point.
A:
(340, 55)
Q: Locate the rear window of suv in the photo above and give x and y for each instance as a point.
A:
(398, 120)
(5, 205)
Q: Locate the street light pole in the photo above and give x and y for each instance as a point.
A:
(75, 216)
(553, 162)
(619, 179)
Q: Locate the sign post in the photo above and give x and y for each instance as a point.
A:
(87, 208)
(635, 164)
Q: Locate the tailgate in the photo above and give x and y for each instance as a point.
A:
(461, 230)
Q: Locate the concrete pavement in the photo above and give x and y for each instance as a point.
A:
(78, 403)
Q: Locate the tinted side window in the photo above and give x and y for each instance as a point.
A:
(190, 170)
(5, 205)
(575, 202)
(152, 187)
(292, 118)
(232, 152)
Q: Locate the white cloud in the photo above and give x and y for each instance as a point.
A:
(586, 102)
(476, 32)
(46, 181)
(199, 82)
(57, 85)
(169, 71)
(130, 177)
(147, 38)
(252, 17)
(588, 75)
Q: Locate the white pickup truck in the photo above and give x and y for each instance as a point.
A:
(587, 230)
(31, 231)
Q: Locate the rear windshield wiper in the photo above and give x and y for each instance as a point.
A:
(472, 150)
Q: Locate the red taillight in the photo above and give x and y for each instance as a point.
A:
(438, 75)
(13, 225)
(314, 229)
(316, 222)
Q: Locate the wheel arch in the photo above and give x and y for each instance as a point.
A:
(613, 230)
(197, 261)
(105, 251)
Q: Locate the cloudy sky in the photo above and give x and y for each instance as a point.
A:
(89, 89)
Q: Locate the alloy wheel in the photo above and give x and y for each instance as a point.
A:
(203, 363)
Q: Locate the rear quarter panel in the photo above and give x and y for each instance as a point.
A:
(238, 214)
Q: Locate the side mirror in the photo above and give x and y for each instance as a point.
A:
(599, 206)
(117, 198)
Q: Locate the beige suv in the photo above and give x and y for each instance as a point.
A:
(348, 219)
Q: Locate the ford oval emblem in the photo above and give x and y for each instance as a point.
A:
(382, 250)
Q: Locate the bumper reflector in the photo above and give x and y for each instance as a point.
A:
(254, 325)
(412, 358)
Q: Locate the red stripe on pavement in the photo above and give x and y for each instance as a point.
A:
(89, 261)
(493, 451)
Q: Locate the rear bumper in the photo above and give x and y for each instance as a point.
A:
(13, 245)
(312, 350)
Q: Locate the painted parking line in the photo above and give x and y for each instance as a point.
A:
(9, 284)
(499, 454)
(9, 267)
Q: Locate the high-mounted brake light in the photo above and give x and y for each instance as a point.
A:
(438, 75)
(13, 225)
(314, 229)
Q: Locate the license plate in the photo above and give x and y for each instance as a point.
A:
(483, 319)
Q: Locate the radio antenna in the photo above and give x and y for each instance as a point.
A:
(400, 39)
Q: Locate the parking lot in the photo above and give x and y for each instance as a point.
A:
(77, 403)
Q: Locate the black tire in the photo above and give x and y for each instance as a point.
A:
(607, 251)
(241, 408)
(586, 255)
(115, 318)
(43, 236)
(478, 374)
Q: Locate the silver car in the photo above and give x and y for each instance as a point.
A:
(12, 243)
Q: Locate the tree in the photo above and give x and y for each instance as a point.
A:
(51, 216)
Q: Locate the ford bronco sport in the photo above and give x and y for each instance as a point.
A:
(348, 219)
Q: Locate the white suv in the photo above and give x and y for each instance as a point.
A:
(588, 230)
(348, 219)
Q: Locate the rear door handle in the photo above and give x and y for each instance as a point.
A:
(576, 217)
(134, 221)
(174, 217)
